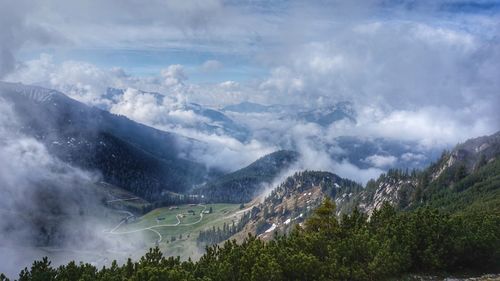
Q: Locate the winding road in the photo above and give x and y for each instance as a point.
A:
(152, 228)
(121, 200)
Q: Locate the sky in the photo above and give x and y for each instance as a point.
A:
(289, 47)
(424, 71)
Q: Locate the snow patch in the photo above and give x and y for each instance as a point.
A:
(272, 228)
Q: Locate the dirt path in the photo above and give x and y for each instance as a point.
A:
(129, 215)
(152, 228)
(120, 200)
(157, 233)
(249, 207)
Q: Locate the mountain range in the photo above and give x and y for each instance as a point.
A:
(207, 121)
(125, 153)
(465, 179)
(138, 162)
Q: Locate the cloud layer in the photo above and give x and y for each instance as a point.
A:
(421, 72)
(47, 203)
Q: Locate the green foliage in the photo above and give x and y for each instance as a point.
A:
(323, 220)
(478, 191)
(390, 244)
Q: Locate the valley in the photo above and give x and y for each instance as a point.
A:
(175, 229)
(135, 189)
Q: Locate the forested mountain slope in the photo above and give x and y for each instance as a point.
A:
(293, 201)
(450, 226)
(138, 158)
(466, 177)
(242, 185)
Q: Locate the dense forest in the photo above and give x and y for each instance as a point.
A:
(138, 158)
(351, 247)
(455, 189)
(216, 235)
(242, 185)
(459, 191)
(122, 164)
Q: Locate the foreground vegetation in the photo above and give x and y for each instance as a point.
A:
(350, 248)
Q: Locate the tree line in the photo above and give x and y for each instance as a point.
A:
(388, 245)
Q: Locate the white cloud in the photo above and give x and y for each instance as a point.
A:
(381, 161)
(413, 157)
(415, 74)
(350, 171)
(429, 125)
(38, 190)
(212, 66)
(82, 81)
(284, 82)
(16, 31)
(173, 114)
(174, 75)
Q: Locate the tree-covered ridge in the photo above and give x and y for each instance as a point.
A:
(457, 191)
(133, 156)
(242, 185)
(454, 189)
(448, 185)
(352, 247)
(465, 177)
(291, 203)
(329, 183)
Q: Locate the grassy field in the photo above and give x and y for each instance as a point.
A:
(179, 227)
(119, 198)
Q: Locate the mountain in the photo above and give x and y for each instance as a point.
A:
(250, 108)
(293, 200)
(246, 107)
(218, 123)
(384, 153)
(323, 116)
(272, 124)
(326, 116)
(206, 120)
(242, 185)
(127, 154)
(466, 177)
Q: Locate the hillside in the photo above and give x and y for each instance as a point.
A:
(138, 158)
(389, 246)
(465, 177)
(242, 185)
(293, 200)
(333, 241)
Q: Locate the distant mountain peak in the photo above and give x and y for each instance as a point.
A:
(34, 93)
(247, 107)
(328, 115)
